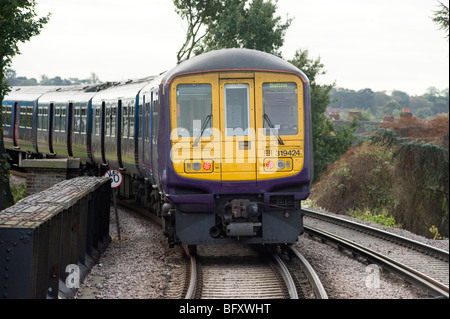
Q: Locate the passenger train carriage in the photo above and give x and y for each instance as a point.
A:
(220, 146)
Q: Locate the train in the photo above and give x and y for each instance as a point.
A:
(219, 146)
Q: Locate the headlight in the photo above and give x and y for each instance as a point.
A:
(281, 164)
(196, 166)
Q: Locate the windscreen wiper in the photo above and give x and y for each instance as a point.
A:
(266, 117)
(205, 123)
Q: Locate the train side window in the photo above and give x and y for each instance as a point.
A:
(29, 116)
(125, 126)
(131, 119)
(113, 120)
(57, 120)
(140, 122)
(8, 115)
(23, 116)
(108, 121)
(63, 119)
(280, 105)
(76, 120)
(40, 123)
(45, 118)
(155, 125)
(97, 121)
(147, 122)
(83, 122)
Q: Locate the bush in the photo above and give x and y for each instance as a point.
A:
(361, 178)
(18, 191)
(381, 218)
(403, 173)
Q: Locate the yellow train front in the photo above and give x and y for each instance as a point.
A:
(235, 161)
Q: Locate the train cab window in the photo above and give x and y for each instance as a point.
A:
(237, 109)
(280, 104)
(194, 109)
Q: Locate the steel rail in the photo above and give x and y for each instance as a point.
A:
(190, 294)
(319, 290)
(394, 266)
(290, 284)
(442, 254)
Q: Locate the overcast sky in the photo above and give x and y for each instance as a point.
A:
(382, 45)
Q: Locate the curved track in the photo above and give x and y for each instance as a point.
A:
(421, 264)
(246, 272)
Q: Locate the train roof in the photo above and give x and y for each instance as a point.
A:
(232, 60)
(128, 89)
(78, 93)
(27, 93)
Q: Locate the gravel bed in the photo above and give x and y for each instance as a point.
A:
(142, 266)
(139, 266)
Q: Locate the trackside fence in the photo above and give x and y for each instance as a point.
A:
(49, 238)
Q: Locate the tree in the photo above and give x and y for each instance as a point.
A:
(328, 144)
(401, 97)
(253, 27)
(441, 18)
(197, 14)
(220, 24)
(391, 106)
(18, 23)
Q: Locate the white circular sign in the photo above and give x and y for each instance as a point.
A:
(115, 176)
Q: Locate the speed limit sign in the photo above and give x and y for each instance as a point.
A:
(115, 176)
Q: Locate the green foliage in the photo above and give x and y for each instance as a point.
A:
(441, 17)
(18, 23)
(378, 217)
(251, 26)
(435, 231)
(19, 191)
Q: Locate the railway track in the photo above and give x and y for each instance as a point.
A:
(421, 264)
(246, 272)
(243, 272)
